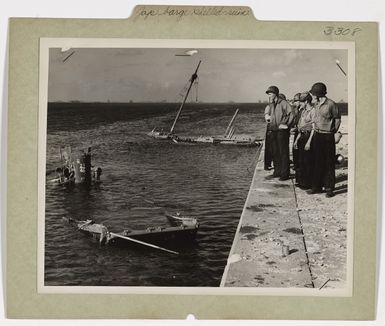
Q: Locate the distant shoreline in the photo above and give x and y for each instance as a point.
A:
(167, 103)
(164, 107)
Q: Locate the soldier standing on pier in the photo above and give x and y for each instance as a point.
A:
(296, 108)
(281, 119)
(304, 171)
(327, 120)
(268, 158)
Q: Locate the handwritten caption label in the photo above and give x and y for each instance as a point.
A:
(147, 13)
(341, 31)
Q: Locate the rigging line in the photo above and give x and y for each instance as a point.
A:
(191, 95)
(196, 89)
(183, 90)
(303, 234)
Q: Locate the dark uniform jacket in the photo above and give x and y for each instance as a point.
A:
(281, 113)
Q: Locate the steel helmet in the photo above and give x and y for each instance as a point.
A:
(296, 97)
(304, 97)
(282, 96)
(318, 89)
(273, 89)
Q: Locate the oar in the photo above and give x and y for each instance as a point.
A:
(143, 243)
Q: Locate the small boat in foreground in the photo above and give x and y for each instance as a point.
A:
(180, 233)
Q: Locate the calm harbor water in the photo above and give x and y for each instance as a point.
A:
(143, 178)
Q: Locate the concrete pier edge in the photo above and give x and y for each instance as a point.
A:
(288, 239)
(258, 166)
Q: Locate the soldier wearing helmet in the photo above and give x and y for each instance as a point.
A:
(280, 118)
(327, 120)
(296, 107)
(268, 155)
(302, 141)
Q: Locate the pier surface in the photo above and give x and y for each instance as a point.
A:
(287, 238)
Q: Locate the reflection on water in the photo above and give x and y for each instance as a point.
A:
(143, 178)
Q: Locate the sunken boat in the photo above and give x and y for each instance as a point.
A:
(180, 232)
(229, 138)
(76, 169)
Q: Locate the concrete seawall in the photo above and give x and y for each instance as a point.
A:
(287, 238)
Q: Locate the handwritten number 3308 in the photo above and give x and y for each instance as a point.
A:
(329, 30)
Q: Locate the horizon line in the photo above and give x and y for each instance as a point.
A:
(164, 102)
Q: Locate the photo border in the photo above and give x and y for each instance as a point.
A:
(47, 43)
(22, 299)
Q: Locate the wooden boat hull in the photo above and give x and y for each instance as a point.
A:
(161, 236)
(156, 235)
(239, 143)
(215, 141)
(159, 135)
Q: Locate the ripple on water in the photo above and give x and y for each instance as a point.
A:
(142, 179)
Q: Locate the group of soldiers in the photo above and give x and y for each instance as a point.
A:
(314, 119)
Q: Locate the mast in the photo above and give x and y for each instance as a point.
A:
(228, 129)
(192, 79)
(231, 133)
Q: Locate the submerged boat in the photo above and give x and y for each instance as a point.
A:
(76, 169)
(159, 134)
(227, 139)
(170, 135)
(179, 233)
(177, 220)
(230, 139)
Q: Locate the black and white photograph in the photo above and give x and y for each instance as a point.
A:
(200, 165)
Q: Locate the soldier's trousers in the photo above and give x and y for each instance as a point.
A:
(268, 159)
(280, 148)
(304, 171)
(324, 154)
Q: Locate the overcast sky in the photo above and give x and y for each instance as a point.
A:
(144, 75)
